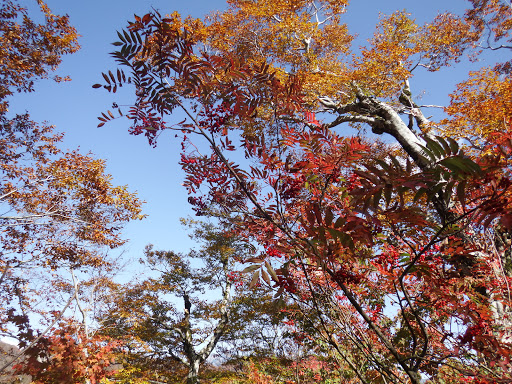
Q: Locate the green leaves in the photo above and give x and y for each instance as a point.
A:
(344, 238)
(446, 156)
(385, 183)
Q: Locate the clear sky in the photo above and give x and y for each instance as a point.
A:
(154, 172)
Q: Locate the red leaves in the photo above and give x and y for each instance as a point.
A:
(69, 356)
(216, 119)
(407, 239)
(311, 119)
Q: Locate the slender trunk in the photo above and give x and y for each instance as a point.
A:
(195, 359)
(193, 372)
(503, 270)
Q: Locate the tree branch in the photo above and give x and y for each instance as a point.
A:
(34, 342)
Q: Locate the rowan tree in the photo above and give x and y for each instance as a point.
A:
(400, 248)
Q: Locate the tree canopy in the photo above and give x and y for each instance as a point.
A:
(60, 215)
(357, 239)
(389, 229)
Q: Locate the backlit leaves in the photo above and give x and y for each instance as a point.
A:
(388, 248)
(481, 106)
(30, 50)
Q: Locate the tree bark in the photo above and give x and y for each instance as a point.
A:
(193, 372)
(194, 359)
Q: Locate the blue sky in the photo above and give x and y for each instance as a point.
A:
(154, 172)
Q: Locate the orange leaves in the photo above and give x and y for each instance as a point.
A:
(286, 33)
(446, 39)
(311, 119)
(256, 376)
(480, 107)
(305, 368)
(385, 64)
(399, 45)
(167, 68)
(69, 356)
(494, 15)
(59, 211)
(30, 50)
(69, 195)
(383, 250)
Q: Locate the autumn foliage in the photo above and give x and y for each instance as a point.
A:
(67, 355)
(396, 251)
(29, 50)
(60, 217)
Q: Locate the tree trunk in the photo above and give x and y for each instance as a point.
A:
(193, 372)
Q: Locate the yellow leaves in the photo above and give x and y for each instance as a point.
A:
(130, 375)
(397, 28)
(83, 178)
(383, 67)
(332, 40)
(287, 33)
(399, 45)
(481, 106)
(266, 8)
(193, 26)
(293, 37)
(445, 40)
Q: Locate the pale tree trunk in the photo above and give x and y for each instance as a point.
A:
(384, 118)
(84, 320)
(502, 314)
(193, 372)
(192, 359)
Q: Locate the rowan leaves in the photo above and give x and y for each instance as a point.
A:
(395, 252)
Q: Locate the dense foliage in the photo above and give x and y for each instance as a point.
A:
(349, 237)
(395, 251)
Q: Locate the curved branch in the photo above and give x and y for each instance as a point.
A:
(224, 316)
